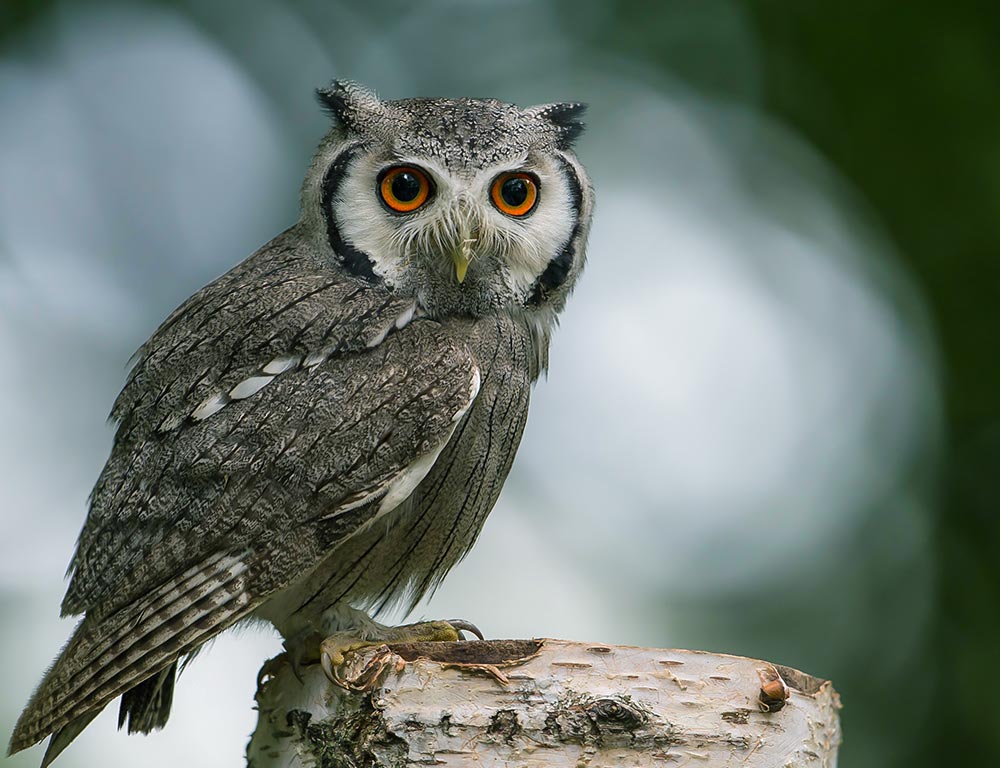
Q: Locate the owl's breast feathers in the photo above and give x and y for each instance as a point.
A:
(269, 418)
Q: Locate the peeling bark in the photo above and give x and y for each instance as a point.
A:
(536, 703)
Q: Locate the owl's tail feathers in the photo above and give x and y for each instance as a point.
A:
(136, 647)
(147, 706)
(64, 736)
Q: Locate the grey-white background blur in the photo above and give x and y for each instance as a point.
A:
(742, 383)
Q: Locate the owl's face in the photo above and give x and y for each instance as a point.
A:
(471, 206)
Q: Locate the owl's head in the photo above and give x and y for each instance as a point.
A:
(472, 206)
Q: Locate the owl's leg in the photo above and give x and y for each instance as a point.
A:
(333, 648)
(300, 649)
(303, 634)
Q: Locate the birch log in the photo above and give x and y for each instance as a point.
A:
(536, 703)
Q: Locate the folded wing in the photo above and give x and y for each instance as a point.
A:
(195, 523)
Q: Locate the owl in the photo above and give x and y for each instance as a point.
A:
(320, 433)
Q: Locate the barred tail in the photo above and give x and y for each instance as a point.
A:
(135, 647)
(147, 706)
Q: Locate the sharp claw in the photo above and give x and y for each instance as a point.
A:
(268, 671)
(297, 670)
(426, 631)
(466, 626)
(324, 660)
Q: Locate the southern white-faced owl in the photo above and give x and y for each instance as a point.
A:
(321, 432)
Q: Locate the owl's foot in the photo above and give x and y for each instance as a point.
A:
(335, 647)
(301, 650)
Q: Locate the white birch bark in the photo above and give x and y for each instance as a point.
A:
(546, 703)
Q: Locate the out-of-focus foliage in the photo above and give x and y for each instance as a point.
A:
(772, 422)
(903, 99)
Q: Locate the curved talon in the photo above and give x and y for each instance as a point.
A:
(263, 674)
(336, 646)
(324, 661)
(466, 626)
(270, 669)
(331, 673)
(296, 665)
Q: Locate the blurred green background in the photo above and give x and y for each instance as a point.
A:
(772, 424)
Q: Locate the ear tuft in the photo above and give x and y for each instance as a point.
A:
(566, 117)
(348, 102)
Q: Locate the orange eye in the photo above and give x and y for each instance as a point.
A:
(515, 193)
(404, 188)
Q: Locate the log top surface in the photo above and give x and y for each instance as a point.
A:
(547, 702)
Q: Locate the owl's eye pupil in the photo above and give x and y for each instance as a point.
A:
(406, 186)
(514, 191)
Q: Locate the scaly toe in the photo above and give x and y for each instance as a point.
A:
(333, 649)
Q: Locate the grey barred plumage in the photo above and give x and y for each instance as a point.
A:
(322, 430)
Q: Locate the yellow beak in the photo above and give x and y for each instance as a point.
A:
(462, 256)
(461, 265)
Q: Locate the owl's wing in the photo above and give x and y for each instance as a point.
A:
(284, 307)
(193, 524)
(246, 504)
(279, 317)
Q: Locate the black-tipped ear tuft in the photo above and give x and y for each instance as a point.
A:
(566, 117)
(347, 102)
(332, 100)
